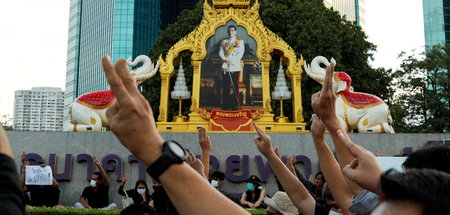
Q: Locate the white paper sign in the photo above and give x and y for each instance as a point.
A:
(37, 175)
(391, 162)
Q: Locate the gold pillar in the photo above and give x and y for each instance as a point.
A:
(267, 116)
(164, 100)
(194, 115)
(297, 97)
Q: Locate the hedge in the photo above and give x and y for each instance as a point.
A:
(78, 211)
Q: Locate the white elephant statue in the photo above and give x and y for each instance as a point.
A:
(88, 111)
(364, 112)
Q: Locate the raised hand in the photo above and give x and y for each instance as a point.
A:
(204, 140)
(23, 159)
(364, 170)
(317, 127)
(96, 161)
(263, 142)
(124, 178)
(196, 164)
(291, 164)
(131, 117)
(323, 102)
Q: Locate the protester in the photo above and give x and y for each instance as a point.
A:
(40, 195)
(280, 204)
(11, 194)
(417, 191)
(253, 197)
(161, 201)
(430, 157)
(97, 194)
(140, 192)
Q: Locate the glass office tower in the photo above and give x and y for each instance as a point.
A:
(118, 28)
(436, 19)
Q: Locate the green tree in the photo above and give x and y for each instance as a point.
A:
(186, 22)
(310, 29)
(422, 103)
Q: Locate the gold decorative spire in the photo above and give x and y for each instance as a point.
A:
(231, 3)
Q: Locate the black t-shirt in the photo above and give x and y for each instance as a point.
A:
(43, 195)
(162, 203)
(96, 199)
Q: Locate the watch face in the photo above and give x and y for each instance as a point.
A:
(176, 149)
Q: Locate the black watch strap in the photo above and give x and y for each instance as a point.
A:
(166, 159)
(159, 166)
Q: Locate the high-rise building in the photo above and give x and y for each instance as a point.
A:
(118, 28)
(436, 20)
(353, 10)
(39, 109)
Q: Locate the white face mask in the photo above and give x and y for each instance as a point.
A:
(93, 183)
(214, 183)
(334, 213)
(140, 191)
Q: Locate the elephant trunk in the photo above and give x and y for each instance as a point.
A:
(315, 71)
(146, 71)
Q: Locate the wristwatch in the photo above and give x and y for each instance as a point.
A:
(173, 153)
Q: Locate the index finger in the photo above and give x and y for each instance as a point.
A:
(115, 82)
(258, 130)
(201, 133)
(328, 83)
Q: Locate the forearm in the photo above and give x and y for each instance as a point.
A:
(344, 155)
(104, 175)
(293, 187)
(261, 198)
(84, 203)
(121, 191)
(205, 161)
(210, 202)
(332, 172)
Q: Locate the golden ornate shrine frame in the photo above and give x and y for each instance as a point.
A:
(267, 42)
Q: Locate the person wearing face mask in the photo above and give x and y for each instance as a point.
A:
(140, 192)
(96, 195)
(254, 196)
(217, 181)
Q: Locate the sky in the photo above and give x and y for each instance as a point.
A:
(33, 40)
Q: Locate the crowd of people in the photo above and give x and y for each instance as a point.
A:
(352, 182)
